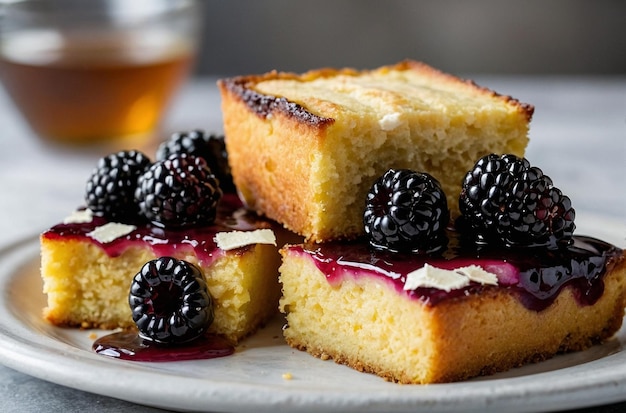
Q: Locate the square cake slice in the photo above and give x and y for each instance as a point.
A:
(374, 312)
(87, 278)
(305, 148)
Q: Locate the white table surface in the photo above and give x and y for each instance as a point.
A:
(578, 138)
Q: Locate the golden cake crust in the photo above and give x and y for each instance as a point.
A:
(304, 149)
(87, 288)
(264, 105)
(365, 324)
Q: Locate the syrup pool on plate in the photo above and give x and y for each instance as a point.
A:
(128, 345)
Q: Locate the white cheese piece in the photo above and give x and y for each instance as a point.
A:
(479, 275)
(433, 277)
(79, 217)
(111, 231)
(236, 239)
(390, 121)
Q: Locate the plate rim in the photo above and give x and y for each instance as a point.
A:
(57, 362)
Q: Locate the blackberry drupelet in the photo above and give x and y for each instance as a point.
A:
(110, 189)
(198, 143)
(179, 191)
(506, 200)
(170, 301)
(406, 211)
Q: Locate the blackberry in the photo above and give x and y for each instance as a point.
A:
(170, 301)
(179, 191)
(506, 200)
(210, 147)
(406, 211)
(111, 187)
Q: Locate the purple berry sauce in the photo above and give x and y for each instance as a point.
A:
(534, 275)
(128, 345)
(231, 215)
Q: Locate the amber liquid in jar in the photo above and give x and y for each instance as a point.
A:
(83, 89)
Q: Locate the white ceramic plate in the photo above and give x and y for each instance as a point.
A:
(252, 379)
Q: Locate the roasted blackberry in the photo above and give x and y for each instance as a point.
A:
(198, 143)
(406, 211)
(170, 301)
(110, 190)
(179, 191)
(506, 200)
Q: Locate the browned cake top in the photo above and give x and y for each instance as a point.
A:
(316, 97)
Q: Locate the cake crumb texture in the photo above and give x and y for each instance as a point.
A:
(87, 288)
(364, 323)
(304, 149)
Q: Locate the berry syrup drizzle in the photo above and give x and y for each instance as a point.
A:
(129, 345)
(534, 275)
(231, 215)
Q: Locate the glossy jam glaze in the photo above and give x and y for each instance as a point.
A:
(534, 275)
(128, 345)
(231, 215)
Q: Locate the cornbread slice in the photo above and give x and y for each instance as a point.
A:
(304, 149)
(346, 310)
(87, 281)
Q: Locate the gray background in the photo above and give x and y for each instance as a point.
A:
(473, 37)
